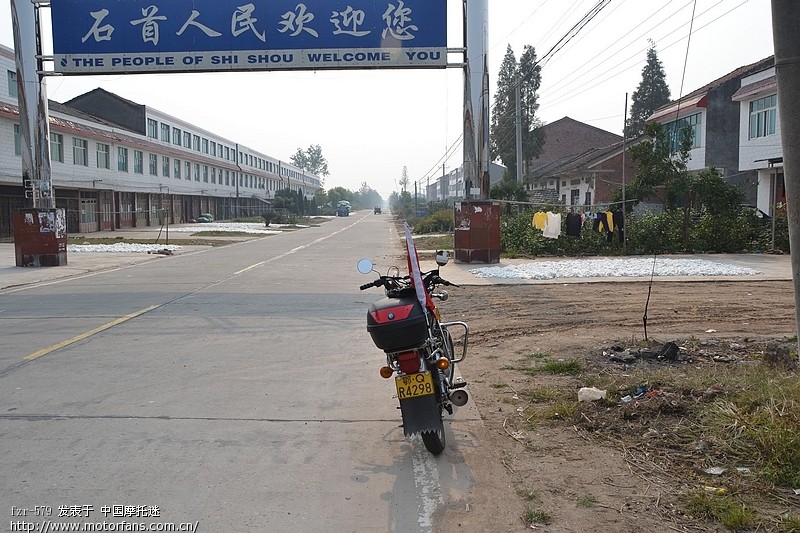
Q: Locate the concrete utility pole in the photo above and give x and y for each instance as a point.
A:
(786, 36)
(518, 125)
(33, 112)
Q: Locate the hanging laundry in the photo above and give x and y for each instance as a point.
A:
(574, 221)
(619, 224)
(552, 230)
(539, 220)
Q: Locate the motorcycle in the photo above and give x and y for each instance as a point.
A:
(406, 325)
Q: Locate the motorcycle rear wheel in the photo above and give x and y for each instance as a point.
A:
(434, 440)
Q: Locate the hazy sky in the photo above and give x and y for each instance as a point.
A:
(370, 124)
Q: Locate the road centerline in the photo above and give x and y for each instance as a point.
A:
(87, 334)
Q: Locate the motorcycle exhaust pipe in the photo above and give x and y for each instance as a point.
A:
(459, 397)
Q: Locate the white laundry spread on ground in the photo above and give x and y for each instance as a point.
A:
(613, 267)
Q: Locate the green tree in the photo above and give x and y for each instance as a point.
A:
(502, 140)
(651, 94)
(338, 194)
(530, 73)
(311, 159)
(366, 197)
(404, 179)
(662, 173)
(509, 189)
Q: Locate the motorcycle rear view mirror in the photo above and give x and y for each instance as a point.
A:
(442, 257)
(365, 266)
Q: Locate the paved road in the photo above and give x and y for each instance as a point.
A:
(234, 388)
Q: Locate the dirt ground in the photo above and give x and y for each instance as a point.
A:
(559, 475)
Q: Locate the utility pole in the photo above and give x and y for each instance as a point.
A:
(518, 126)
(624, 120)
(786, 37)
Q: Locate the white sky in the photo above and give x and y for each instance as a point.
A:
(370, 123)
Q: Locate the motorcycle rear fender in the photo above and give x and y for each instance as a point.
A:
(420, 414)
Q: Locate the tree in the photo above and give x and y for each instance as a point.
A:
(367, 197)
(531, 75)
(503, 138)
(509, 189)
(404, 179)
(651, 94)
(311, 159)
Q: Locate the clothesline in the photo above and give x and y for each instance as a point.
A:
(565, 206)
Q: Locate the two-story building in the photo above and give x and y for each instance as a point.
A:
(120, 164)
(760, 148)
(714, 119)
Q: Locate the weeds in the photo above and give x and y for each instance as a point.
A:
(536, 516)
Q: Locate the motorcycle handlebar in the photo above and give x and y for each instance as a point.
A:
(383, 280)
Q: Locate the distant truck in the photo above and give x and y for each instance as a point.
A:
(343, 208)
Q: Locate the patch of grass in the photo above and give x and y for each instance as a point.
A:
(759, 424)
(437, 242)
(528, 495)
(536, 356)
(498, 385)
(567, 368)
(536, 516)
(789, 524)
(587, 501)
(543, 394)
(720, 508)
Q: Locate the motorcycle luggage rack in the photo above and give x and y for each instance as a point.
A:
(445, 325)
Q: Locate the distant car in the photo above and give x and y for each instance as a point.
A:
(377, 211)
(205, 218)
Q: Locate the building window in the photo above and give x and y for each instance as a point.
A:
(165, 166)
(80, 152)
(102, 155)
(676, 128)
(12, 84)
(177, 167)
(17, 140)
(197, 172)
(176, 136)
(153, 165)
(188, 170)
(138, 162)
(227, 177)
(196, 143)
(205, 173)
(205, 146)
(165, 132)
(152, 128)
(122, 159)
(57, 147)
(213, 175)
(763, 113)
(213, 149)
(227, 153)
(187, 139)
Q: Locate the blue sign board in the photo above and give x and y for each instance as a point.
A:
(113, 36)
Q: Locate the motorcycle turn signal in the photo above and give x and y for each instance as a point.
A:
(443, 363)
(386, 372)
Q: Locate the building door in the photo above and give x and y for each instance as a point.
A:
(89, 219)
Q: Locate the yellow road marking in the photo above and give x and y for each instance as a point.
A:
(248, 268)
(62, 344)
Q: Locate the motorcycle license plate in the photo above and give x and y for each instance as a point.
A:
(413, 385)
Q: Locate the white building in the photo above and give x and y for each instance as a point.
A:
(760, 136)
(120, 164)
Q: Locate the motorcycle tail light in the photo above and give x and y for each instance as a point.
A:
(408, 362)
(443, 363)
(386, 372)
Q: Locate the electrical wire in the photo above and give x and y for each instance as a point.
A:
(680, 95)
